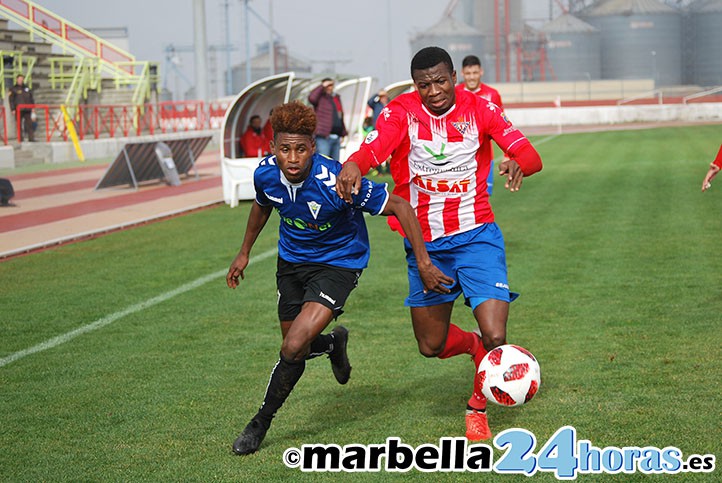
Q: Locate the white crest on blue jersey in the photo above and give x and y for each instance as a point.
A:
(314, 207)
(327, 178)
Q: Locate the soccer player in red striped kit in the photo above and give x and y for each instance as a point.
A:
(473, 72)
(714, 168)
(434, 137)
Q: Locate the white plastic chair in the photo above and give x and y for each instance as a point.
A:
(237, 175)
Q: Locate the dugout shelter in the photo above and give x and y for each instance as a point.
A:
(258, 99)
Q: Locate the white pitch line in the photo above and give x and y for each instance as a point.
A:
(542, 141)
(109, 319)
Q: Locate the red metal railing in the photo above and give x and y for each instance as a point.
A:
(110, 121)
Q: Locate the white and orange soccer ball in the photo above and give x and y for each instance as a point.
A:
(510, 375)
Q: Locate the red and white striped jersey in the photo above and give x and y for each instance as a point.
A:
(485, 91)
(437, 162)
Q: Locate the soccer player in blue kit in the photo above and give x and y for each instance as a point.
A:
(323, 247)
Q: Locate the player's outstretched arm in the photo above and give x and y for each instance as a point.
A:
(256, 221)
(707, 182)
(433, 278)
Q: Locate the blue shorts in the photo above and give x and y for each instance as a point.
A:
(476, 260)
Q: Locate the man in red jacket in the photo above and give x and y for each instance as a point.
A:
(253, 142)
(330, 128)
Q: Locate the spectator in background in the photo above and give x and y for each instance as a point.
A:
(21, 94)
(473, 72)
(377, 104)
(330, 128)
(714, 168)
(253, 142)
(268, 129)
(368, 125)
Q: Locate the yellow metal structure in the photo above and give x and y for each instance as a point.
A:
(70, 125)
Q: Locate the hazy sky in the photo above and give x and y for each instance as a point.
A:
(368, 37)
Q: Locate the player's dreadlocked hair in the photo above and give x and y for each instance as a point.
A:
(429, 57)
(293, 118)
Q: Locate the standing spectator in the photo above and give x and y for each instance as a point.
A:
(435, 139)
(329, 113)
(377, 104)
(473, 72)
(253, 142)
(21, 94)
(714, 168)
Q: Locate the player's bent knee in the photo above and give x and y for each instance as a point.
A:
(294, 350)
(430, 350)
(492, 341)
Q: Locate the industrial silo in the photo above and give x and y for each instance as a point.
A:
(705, 24)
(640, 39)
(454, 36)
(573, 49)
(499, 21)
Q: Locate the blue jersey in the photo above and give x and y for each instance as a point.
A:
(317, 226)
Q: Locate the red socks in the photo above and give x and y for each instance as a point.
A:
(459, 342)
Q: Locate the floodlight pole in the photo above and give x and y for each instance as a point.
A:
(201, 49)
(272, 43)
(229, 82)
(248, 42)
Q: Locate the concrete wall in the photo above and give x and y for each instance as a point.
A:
(552, 116)
(581, 90)
(62, 152)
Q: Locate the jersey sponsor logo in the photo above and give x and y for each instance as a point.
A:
(301, 224)
(509, 130)
(314, 207)
(386, 112)
(327, 178)
(442, 186)
(273, 198)
(367, 197)
(491, 106)
(371, 137)
(461, 125)
(440, 156)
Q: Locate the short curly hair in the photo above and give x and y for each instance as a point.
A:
(293, 118)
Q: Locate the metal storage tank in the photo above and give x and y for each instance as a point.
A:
(489, 17)
(573, 49)
(640, 39)
(456, 37)
(706, 30)
(482, 15)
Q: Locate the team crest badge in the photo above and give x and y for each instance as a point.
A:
(314, 207)
(506, 119)
(461, 126)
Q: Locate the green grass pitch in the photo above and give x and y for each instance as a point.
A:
(613, 247)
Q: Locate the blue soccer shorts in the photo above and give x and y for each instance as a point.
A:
(476, 260)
